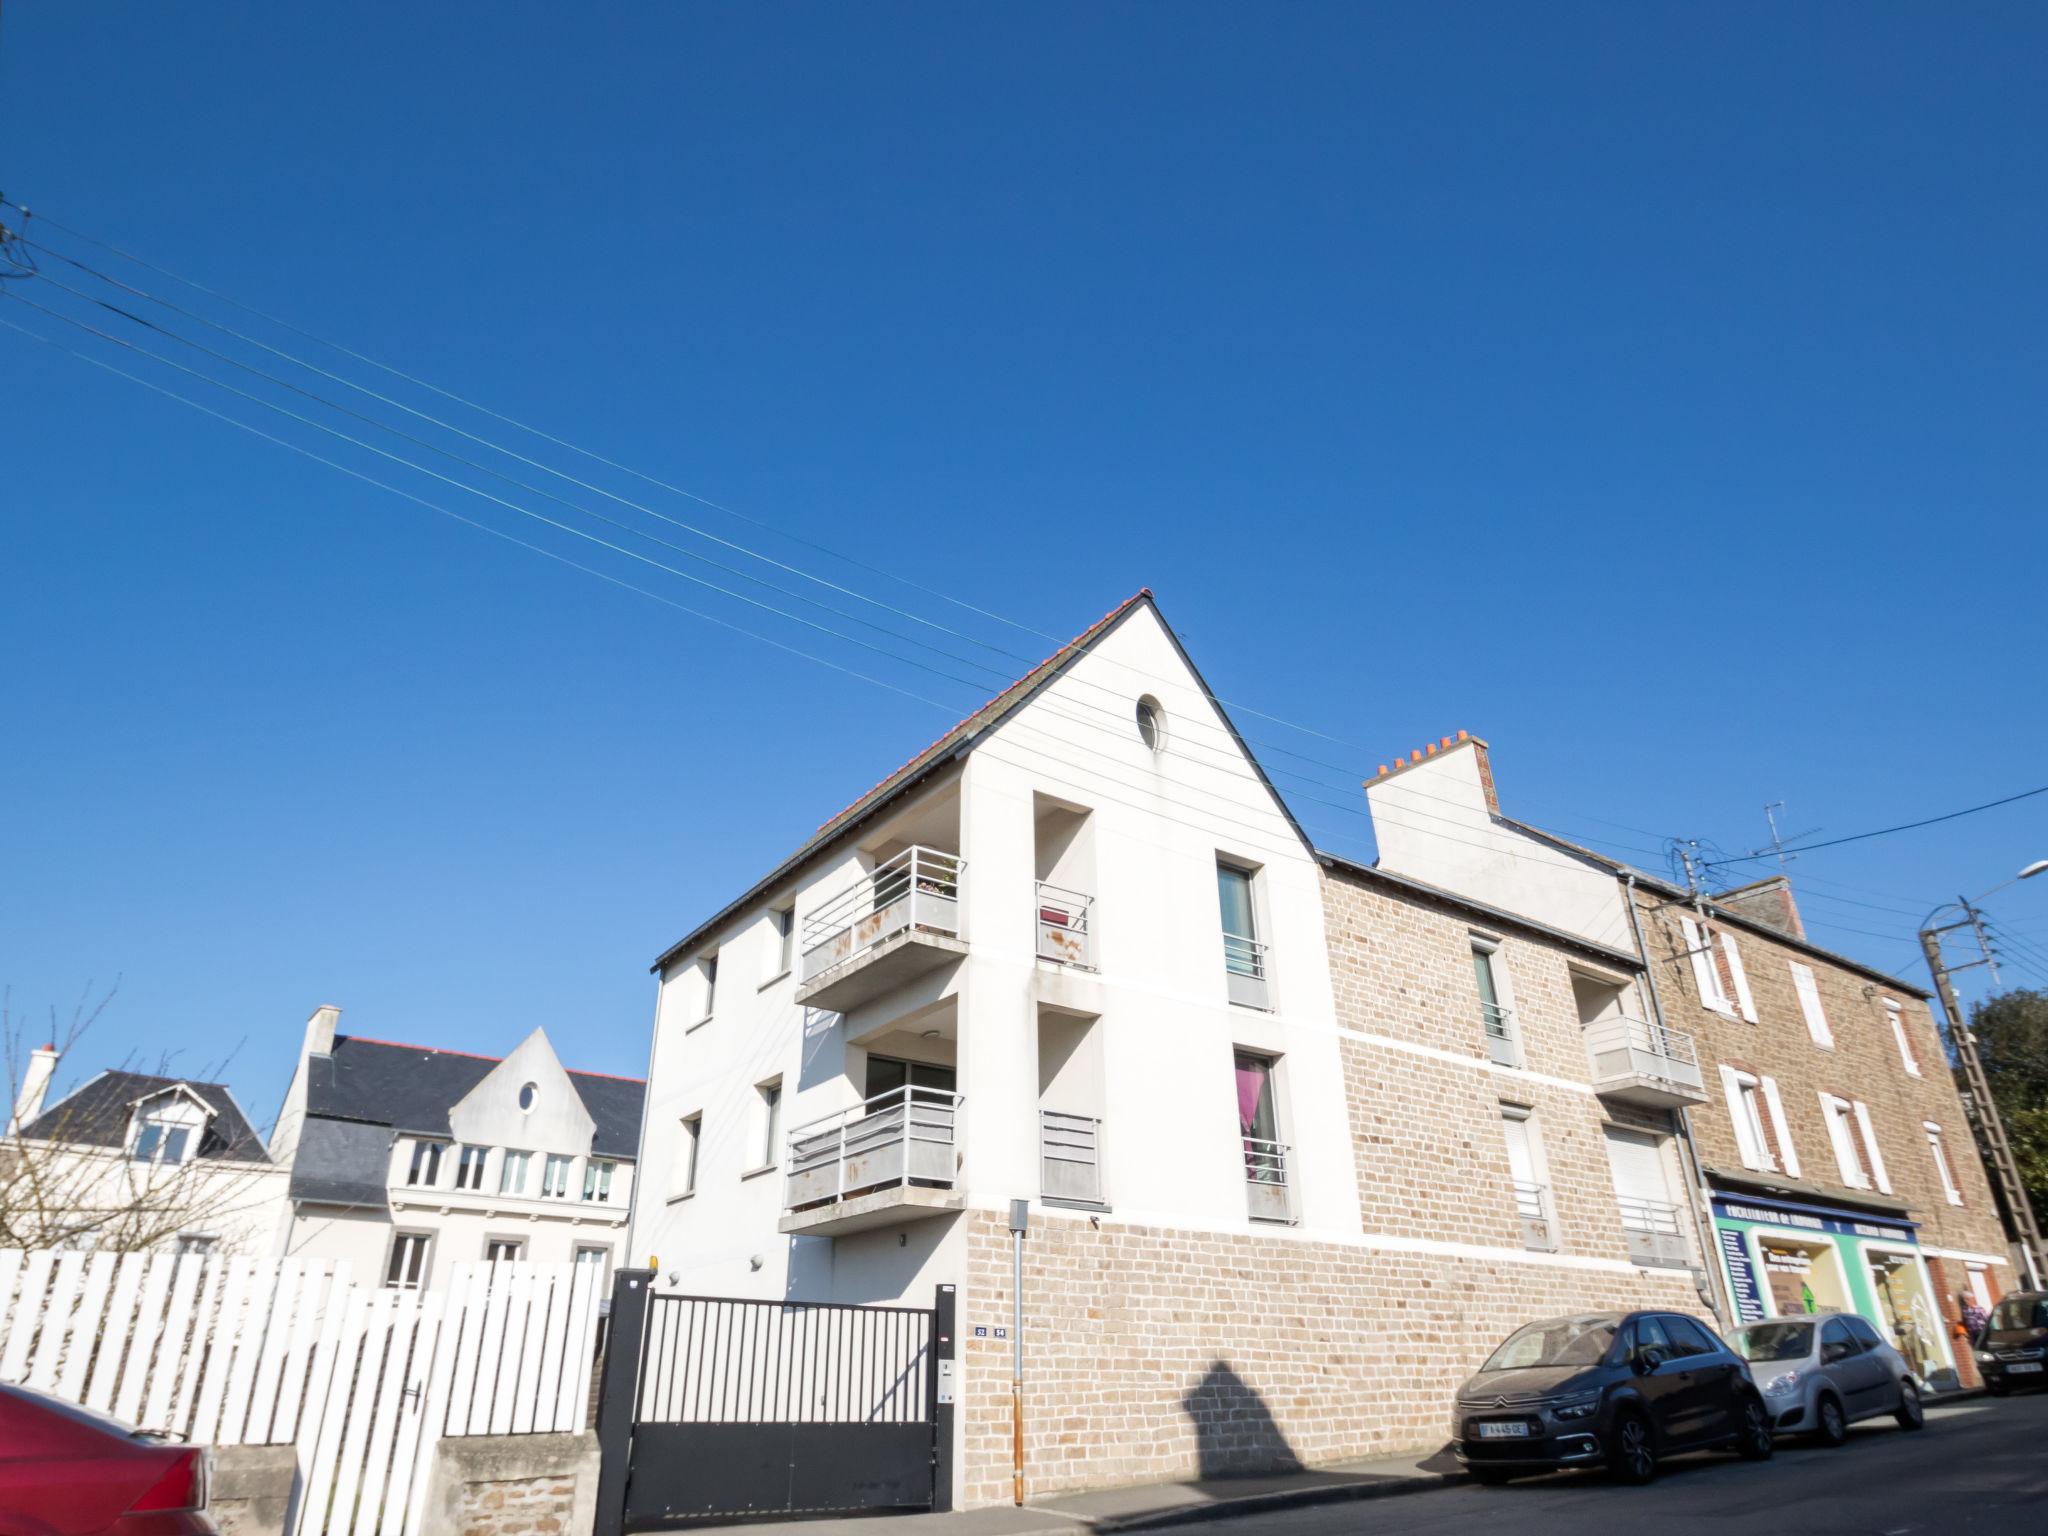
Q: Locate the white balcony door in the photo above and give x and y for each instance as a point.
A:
(1521, 1152)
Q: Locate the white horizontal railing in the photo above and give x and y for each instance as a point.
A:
(1500, 1034)
(904, 1136)
(1070, 1156)
(917, 889)
(1244, 969)
(1532, 1201)
(1656, 1217)
(1065, 932)
(1625, 1047)
(1266, 1179)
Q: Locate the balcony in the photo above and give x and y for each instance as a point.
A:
(1244, 969)
(1501, 1049)
(1532, 1205)
(1267, 1166)
(1654, 1232)
(1069, 1158)
(1644, 1064)
(900, 922)
(888, 1159)
(1065, 931)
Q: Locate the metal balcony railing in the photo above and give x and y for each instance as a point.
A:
(1622, 1048)
(1532, 1205)
(917, 889)
(1266, 1172)
(904, 1136)
(1499, 1023)
(1065, 929)
(1245, 969)
(1070, 1157)
(1654, 1229)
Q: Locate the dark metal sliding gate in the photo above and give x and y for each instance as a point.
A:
(719, 1408)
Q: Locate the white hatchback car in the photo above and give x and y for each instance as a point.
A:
(1820, 1374)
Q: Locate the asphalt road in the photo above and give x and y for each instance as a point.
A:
(1979, 1467)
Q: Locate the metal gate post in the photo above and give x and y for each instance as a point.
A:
(939, 1399)
(619, 1395)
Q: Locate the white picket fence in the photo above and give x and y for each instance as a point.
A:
(363, 1380)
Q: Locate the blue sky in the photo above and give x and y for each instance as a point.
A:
(1654, 390)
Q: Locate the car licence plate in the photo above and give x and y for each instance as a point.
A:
(2017, 1370)
(1503, 1431)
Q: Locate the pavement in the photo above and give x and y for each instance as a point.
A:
(1980, 1467)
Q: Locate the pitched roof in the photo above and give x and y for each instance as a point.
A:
(97, 1112)
(412, 1088)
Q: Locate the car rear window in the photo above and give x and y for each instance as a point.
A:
(2021, 1312)
(1773, 1341)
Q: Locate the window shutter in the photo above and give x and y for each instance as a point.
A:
(1846, 1160)
(1746, 1146)
(1906, 1057)
(1783, 1128)
(1809, 1004)
(1703, 974)
(1743, 1000)
(1870, 1145)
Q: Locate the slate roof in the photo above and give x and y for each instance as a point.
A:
(411, 1088)
(97, 1113)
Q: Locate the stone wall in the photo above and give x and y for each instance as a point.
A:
(1156, 1354)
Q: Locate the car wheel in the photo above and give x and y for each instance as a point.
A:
(1912, 1413)
(1630, 1457)
(1753, 1434)
(1491, 1477)
(1833, 1426)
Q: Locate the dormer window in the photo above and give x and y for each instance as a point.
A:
(158, 1141)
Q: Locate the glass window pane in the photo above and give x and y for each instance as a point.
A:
(1234, 894)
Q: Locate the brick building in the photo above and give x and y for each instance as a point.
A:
(1832, 1149)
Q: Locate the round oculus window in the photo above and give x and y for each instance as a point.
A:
(527, 1095)
(1151, 723)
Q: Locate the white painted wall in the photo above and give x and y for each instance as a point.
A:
(1166, 1034)
(1431, 823)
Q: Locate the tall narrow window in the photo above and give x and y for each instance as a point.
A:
(1496, 1019)
(408, 1267)
(554, 1178)
(426, 1164)
(690, 1136)
(597, 1182)
(771, 1122)
(1810, 1008)
(1948, 1178)
(1267, 1165)
(1717, 969)
(504, 1250)
(469, 1168)
(592, 1260)
(783, 921)
(709, 965)
(1244, 956)
(1842, 1135)
(1525, 1176)
(512, 1173)
(1897, 1016)
(1762, 1138)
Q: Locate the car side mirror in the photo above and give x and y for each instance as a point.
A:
(1830, 1353)
(1647, 1359)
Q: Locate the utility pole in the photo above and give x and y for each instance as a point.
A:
(1977, 1099)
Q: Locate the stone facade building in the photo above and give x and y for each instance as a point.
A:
(1831, 1149)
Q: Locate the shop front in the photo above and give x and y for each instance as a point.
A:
(1782, 1258)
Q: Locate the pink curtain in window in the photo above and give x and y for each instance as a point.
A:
(1250, 1082)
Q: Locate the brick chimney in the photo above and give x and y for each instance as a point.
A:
(35, 1084)
(1768, 902)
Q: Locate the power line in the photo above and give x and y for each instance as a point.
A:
(1904, 826)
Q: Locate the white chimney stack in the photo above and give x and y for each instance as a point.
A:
(320, 1030)
(35, 1083)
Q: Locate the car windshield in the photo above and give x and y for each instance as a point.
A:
(2021, 1312)
(1774, 1341)
(1563, 1341)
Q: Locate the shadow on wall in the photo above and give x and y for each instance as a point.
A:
(1235, 1432)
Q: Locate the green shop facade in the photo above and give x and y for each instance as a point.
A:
(1782, 1257)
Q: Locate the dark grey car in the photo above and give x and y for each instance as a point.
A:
(1612, 1389)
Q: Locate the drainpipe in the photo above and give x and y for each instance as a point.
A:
(1722, 1298)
